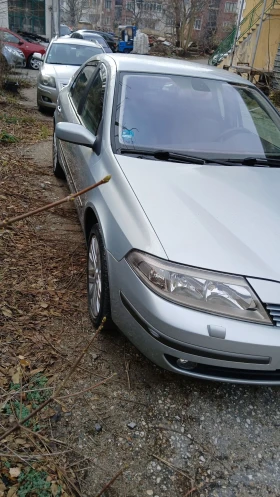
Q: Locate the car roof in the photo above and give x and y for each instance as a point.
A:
(100, 33)
(163, 65)
(76, 41)
(86, 31)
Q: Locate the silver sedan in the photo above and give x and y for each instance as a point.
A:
(183, 242)
(61, 61)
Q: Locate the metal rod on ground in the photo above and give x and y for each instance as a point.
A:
(12, 220)
(237, 32)
(257, 41)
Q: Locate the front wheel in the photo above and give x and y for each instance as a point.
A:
(97, 280)
(33, 63)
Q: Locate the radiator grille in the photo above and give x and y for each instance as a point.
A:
(274, 312)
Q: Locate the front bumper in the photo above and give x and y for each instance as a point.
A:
(165, 332)
(47, 96)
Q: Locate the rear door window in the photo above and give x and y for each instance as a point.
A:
(92, 110)
(80, 84)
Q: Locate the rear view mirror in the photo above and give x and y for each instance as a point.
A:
(75, 133)
(37, 56)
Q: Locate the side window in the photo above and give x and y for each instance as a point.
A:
(80, 83)
(255, 116)
(8, 37)
(93, 108)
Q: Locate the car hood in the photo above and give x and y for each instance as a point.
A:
(60, 72)
(213, 217)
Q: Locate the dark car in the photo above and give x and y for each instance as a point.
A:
(110, 40)
(28, 48)
(89, 35)
(65, 30)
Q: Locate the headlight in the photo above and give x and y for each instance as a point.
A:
(15, 51)
(46, 80)
(216, 293)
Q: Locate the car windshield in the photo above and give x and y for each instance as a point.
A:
(197, 116)
(71, 55)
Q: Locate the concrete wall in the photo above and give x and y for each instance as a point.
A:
(48, 14)
(4, 21)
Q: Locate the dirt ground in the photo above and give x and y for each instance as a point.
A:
(187, 438)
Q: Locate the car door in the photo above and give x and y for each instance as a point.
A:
(85, 108)
(90, 112)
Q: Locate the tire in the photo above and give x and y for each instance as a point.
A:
(126, 50)
(33, 63)
(97, 280)
(57, 168)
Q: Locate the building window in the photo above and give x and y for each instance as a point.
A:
(26, 15)
(231, 7)
(227, 25)
(107, 21)
(197, 24)
(108, 4)
(169, 21)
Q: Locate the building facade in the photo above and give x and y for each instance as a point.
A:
(27, 15)
(216, 21)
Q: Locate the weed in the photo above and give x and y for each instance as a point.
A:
(45, 133)
(35, 482)
(37, 397)
(15, 408)
(7, 137)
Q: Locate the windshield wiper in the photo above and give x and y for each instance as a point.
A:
(258, 161)
(164, 155)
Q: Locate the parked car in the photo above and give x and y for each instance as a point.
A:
(13, 57)
(15, 40)
(64, 30)
(63, 58)
(34, 38)
(183, 242)
(89, 36)
(109, 38)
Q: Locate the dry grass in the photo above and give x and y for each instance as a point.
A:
(19, 125)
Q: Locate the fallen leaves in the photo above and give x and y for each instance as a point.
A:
(42, 280)
(6, 312)
(14, 472)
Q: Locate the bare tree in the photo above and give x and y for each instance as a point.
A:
(72, 10)
(184, 13)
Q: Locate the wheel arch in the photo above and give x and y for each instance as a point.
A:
(90, 218)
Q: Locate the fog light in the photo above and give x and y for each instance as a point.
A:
(185, 364)
(47, 99)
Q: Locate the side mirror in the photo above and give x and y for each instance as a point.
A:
(21, 42)
(37, 56)
(75, 133)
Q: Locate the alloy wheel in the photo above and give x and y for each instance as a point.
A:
(94, 276)
(34, 64)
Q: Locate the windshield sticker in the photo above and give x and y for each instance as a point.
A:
(128, 135)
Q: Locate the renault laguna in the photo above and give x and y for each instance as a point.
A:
(184, 241)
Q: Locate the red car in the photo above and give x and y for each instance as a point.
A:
(10, 38)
